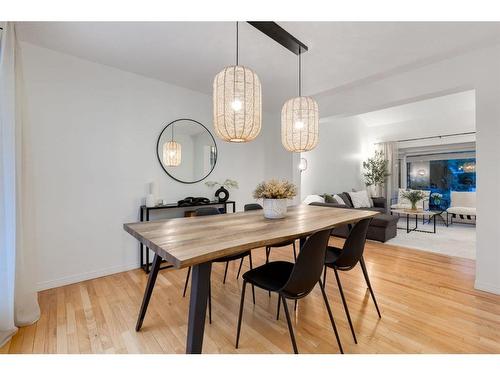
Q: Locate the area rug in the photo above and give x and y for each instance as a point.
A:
(456, 240)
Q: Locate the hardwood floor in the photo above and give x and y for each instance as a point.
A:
(427, 301)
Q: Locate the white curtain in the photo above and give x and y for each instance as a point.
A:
(18, 298)
(390, 150)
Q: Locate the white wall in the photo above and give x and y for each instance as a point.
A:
(92, 132)
(335, 164)
(477, 70)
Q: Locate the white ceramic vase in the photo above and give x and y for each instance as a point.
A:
(275, 208)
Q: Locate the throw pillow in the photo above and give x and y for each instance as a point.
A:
(360, 199)
(347, 199)
(313, 198)
(329, 198)
(339, 199)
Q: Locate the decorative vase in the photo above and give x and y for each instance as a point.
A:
(414, 206)
(150, 200)
(275, 208)
(375, 191)
(222, 194)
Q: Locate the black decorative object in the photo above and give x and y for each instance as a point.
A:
(186, 127)
(193, 201)
(222, 194)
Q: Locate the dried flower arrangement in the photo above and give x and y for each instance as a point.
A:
(275, 189)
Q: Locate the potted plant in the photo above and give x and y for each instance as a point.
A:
(222, 193)
(376, 173)
(275, 195)
(413, 196)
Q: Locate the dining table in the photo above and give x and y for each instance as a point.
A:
(197, 241)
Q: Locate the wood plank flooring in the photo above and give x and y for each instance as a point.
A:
(427, 301)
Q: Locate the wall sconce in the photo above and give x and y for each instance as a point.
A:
(421, 172)
(302, 164)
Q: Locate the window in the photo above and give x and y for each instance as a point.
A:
(442, 176)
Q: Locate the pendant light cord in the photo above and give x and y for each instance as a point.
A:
(300, 71)
(237, 45)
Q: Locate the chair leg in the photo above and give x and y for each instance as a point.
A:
(210, 302)
(239, 268)
(324, 276)
(278, 309)
(331, 317)
(186, 283)
(294, 252)
(225, 273)
(290, 328)
(240, 315)
(365, 273)
(268, 250)
(345, 305)
(251, 267)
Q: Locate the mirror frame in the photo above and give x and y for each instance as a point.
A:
(159, 157)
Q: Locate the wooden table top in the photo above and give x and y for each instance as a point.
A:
(188, 241)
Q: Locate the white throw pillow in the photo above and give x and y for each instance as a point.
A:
(313, 198)
(339, 199)
(360, 199)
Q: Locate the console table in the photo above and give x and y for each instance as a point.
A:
(144, 216)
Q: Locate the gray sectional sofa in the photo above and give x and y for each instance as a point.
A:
(382, 228)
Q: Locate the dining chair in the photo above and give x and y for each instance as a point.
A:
(292, 280)
(346, 259)
(207, 211)
(256, 206)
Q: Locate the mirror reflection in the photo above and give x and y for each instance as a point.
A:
(186, 150)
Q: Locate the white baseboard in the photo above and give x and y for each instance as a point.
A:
(44, 285)
(486, 287)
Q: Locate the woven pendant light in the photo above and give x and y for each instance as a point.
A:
(172, 152)
(300, 121)
(237, 103)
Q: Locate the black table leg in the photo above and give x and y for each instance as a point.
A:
(149, 289)
(200, 280)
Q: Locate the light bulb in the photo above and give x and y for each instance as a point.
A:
(172, 153)
(236, 105)
(299, 124)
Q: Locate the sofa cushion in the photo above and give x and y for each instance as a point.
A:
(339, 199)
(376, 209)
(313, 198)
(384, 221)
(347, 199)
(462, 211)
(463, 199)
(360, 199)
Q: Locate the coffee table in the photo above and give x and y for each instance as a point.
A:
(431, 215)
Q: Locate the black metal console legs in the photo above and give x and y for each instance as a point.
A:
(200, 286)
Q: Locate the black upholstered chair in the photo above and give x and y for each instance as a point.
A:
(207, 211)
(292, 281)
(346, 259)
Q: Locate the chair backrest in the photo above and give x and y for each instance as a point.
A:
(252, 206)
(309, 265)
(463, 199)
(206, 211)
(354, 246)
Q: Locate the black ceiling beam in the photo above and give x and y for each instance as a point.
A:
(280, 35)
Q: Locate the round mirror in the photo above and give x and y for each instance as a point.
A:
(186, 150)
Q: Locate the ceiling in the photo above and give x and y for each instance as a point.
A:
(189, 54)
(439, 107)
